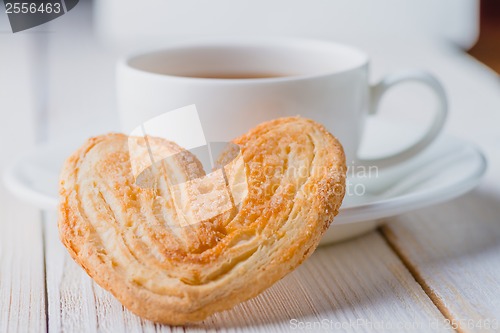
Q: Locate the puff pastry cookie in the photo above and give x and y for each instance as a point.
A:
(174, 245)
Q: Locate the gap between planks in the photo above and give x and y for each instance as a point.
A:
(389, 237)
(43, 219)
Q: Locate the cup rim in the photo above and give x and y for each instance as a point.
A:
(124, 63)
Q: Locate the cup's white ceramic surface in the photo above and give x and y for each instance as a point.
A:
(323, 81)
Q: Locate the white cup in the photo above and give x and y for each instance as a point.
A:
(324, 81)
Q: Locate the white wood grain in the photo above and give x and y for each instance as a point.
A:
(357, 283)
(454, 251)
(22, 280)
(76, 304)
(22, 289)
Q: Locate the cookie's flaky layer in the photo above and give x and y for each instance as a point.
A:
(131, 240)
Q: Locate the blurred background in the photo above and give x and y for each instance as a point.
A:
(487, 47)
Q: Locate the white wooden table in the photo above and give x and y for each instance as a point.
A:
(432, 270)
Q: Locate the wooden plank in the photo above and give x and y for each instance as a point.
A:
(358, 285)
(22, 280)
(22, 288)
(355, 284)
(454, 252)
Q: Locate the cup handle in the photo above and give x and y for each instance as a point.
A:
(378, 90)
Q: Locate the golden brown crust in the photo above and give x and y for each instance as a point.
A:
(285, 187)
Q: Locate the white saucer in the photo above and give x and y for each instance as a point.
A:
(447, 169)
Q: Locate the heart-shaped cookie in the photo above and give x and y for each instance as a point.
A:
(187, 245)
